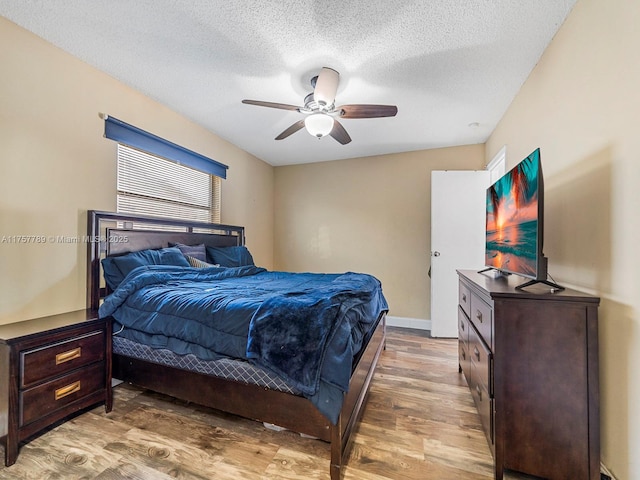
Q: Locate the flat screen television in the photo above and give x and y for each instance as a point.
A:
(515, 223)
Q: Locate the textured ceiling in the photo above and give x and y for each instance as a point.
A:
(451, 66)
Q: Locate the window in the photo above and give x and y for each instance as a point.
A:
(158, 177)
(152, 185)
(497, 165)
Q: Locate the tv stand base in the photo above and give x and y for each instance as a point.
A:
(499, 272)
(554, 286)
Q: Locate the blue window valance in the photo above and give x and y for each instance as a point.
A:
(134, 137)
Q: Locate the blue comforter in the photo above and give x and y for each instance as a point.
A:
(304, 327)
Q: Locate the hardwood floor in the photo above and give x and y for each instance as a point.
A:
(419, 423)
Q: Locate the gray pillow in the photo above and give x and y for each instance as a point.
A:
(195, 251)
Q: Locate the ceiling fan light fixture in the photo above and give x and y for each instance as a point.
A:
(319, 124)
(326, 86)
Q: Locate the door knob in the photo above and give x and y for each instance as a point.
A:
(436, 254)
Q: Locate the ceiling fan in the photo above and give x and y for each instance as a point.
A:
(321, 114)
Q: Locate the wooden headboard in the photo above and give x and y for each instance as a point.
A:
(110, 234)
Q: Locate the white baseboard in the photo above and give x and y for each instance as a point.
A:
(406, 322)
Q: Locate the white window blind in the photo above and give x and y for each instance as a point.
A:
(151, 185)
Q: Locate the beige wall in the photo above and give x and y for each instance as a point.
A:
(55, 165)
(368, 215)
(581, 105)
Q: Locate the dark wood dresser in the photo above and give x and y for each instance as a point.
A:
(51, 368)
(531, 361)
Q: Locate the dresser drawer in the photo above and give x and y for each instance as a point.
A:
(37, 402)
(482, 318)
(482, 361)
(484, 404)
(463, 344)
(463, 326)
(464, 298)
(57, 359)
(464, 361)
(482, 381)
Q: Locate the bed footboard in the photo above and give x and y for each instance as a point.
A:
(352, 409)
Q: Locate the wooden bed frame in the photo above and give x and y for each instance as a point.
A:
(113, 234)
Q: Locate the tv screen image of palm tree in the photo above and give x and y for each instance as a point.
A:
(512, 219)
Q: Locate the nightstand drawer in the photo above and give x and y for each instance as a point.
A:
(56, 359)
(37, 402)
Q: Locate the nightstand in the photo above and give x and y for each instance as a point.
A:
(50, 369)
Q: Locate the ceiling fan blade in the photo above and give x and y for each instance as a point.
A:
(326, 87)
(339, 133)
(292, 129)
(367, 111)
(282, 106)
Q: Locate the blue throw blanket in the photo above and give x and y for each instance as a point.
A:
(304, 327)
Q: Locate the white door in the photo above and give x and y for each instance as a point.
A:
(458, 201)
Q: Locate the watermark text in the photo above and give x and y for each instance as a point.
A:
(61, 239)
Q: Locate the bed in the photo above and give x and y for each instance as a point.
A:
(321, 394)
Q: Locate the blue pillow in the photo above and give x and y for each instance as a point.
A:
(116, 268)
(230, 256)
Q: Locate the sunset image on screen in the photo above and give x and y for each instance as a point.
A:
(512, 219)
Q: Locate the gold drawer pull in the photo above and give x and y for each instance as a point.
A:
(68, 356)
(476, 353)
(479, 392)
(68, 390)
(479, 315)
(464, 298)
